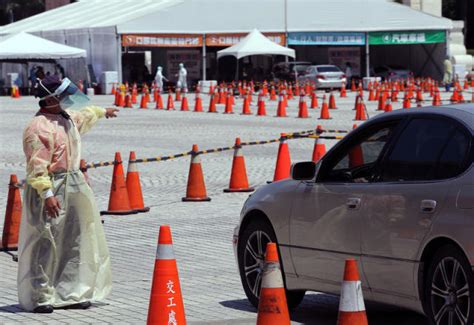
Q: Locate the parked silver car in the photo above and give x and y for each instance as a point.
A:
(323, 76)
(397, 194)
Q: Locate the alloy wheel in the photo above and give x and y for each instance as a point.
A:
(450, 293)
(254, 260)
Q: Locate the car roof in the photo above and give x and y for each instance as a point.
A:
(463, 113)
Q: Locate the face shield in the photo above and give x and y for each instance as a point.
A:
(68, 95)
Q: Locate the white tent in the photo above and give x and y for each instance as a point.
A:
(255, 43)
(24, 46)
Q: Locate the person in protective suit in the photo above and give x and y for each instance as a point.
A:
(182, 75)
(63, 256)
(159, 77)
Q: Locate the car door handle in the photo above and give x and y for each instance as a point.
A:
(353, 203)
(428, 206)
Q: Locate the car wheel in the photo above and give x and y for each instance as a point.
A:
(449, 287)
(251, 256)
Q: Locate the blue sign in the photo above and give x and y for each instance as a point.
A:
(322, 38)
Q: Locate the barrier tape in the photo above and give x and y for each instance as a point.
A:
(293, 135)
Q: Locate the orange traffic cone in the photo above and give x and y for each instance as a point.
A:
(184, 103)
(246, 106)
(159, 101)
(121, 102)
(303, 108)
(198, 103)
(143, 102)
(406, 101)
(381, 104)
(388, 107)
(170, 103)
(119, 202)
(351, 303)
(319, 149)
(166, 301)
(272, 305)
(283, 163)
(212, 104)
(11, 226)
(128, 102)
(261, 107)
(314, 100)
(134, 188)
(343, 92)
(360, 109)
(324, 110)
(281, 109)
(238, 178)
(196, 189)
(178, 95)
(332, 101)
(228, 105)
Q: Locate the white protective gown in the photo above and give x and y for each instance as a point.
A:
(63, 260)
(182, 78)
(159, 79)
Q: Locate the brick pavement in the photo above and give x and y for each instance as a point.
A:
(202, 232)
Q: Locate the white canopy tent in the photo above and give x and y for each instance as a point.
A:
(255, 43)
(24, 46)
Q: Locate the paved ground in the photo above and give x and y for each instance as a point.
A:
(202, 231)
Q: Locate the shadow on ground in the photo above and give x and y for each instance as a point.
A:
(322, 309)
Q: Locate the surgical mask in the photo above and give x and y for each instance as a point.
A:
(68, 95)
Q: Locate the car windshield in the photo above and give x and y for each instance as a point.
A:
(329, 69)
(300, 68)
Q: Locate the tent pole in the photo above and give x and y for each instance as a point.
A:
(367, 55)
(204, 57)
(119, 57)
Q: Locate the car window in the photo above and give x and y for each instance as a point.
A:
(427, 149)
(357, 162)
(328, 69)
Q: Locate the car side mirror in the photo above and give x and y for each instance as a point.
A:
(303, 171)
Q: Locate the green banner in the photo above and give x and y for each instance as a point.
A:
(407, 37)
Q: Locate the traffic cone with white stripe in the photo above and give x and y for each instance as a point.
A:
(196, 189)
(261, 111)
(11, 225)
(212, 103)
(197, 103)
(184, 102)
(324, 110)
(238, 178)
(303, 108)
(228, 105)
(134, 187)
(332, 101)
(281, 109)
(170, 103)
(272, 304)
(283, 163)
(351, 303)
(319, 149)
(119, 202)
(166, 301)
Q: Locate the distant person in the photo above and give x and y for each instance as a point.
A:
(348, 73)
(39, 73)
(32, 76)
(182, 77)
(448, 73)
(59, 71)
(159, 77)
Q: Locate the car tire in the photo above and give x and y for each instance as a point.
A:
(259, 230)
(449, 286)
